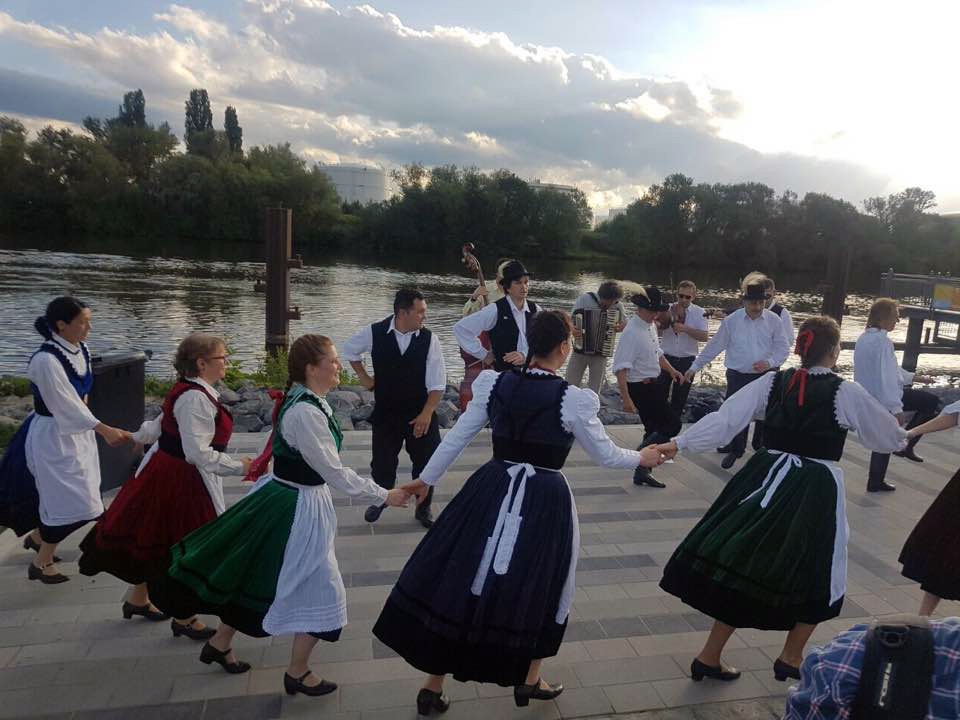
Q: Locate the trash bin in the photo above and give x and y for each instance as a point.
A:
(117, 400)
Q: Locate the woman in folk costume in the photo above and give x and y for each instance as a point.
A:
(267, 566)
(177, 487)
(771, 551)
(486, 594)
(50, 475)
(931, 555)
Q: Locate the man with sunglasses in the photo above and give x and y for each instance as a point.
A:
(681, 343)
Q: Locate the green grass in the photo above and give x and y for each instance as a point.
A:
(6, 434)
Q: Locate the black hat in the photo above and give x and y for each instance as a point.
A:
(513, 270)
(653, 300)
(755, 291)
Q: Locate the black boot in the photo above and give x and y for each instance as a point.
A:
(429, 702)
(908, 452)
(877, 472)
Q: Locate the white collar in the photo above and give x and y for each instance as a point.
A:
(820, 370)
(393, 329)
(513, 306)
(880, 331)
(206, 386)
(66, 344)
(643, 323)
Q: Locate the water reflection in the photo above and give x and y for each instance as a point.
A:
(145, 301)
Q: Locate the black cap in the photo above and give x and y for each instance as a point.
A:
(653, 300)
(514, 270)
(755, 291)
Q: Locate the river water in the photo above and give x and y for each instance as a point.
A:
(150, 301)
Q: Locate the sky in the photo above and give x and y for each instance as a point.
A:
(849, 98)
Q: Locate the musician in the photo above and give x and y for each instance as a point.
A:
(481, 297)
(409, 378)
(753, 343)
(637, 364)
(505, 321)
(681, 343)
(607, 296)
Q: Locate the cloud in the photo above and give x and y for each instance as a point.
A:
(360, 85)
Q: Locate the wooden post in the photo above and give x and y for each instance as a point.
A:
(911, 350)
(835, 287)
(278, 239)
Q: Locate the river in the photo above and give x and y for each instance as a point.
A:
(150, 297)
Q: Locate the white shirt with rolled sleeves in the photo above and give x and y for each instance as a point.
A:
(639, 351)
(875, 368)
(467, 330)
(677, 344)
(745, 341)
(61, 451)
(196, 419)
(361, 343)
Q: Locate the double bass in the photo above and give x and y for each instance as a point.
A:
(472, 366)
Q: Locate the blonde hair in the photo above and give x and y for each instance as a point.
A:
(754, 278)
(687, 284)
(306, 350)
(882, 310)
(192, 348)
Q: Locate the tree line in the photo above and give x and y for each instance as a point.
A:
(122, 177)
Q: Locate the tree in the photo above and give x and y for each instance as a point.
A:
(133, 111)
(233, 130)
(198, 123)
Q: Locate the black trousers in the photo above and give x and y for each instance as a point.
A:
(389, 438)
(737, 381)
(924, 406)
(675, 393)
(654, 411)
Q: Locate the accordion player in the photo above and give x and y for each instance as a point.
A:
(598, 330)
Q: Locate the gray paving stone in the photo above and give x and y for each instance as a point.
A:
(624, 627)
(626, 670)
(251, 706)
(666, 624)
(582, 702)
(633, 697)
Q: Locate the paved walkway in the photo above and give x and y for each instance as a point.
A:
(66, 653)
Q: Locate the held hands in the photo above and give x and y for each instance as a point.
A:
(761, 366)
(421, 423)
(416, 488)
(398, 497)
(515, 358)
(650, 457)
(246, 461)
(668, 450)
(113, 436)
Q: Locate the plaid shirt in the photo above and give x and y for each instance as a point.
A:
(831, 675)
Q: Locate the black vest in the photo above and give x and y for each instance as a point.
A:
(400, 388)
(776, 309)
(505, 334)
(811, 430)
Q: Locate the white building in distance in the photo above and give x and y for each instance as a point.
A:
(358, 183)
(556, 187)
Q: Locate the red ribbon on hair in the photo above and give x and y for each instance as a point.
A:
(259, 465)
(804, 341)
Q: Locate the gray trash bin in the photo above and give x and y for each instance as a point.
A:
(117, 400)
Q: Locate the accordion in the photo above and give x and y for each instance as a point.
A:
(598, 330)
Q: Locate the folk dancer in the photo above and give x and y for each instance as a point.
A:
(607, 296)
(637, 364)
(753, 343)
(50, 474)
(771, 551)
(875, 367)
(408, 381)
(681, 343)
(487, 593)
(774, 306)
(267, 566)
(505, 320)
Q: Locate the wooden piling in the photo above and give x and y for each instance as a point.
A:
(278, 241)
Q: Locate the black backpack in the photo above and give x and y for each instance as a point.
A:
(897, 674)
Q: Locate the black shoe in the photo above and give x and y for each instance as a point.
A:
(425, 516)
(36, 573)
(295, 685)
(30, 544)
(129, 610)
(523, 694)
(642, 476)
(729, 459)
(909, 454)
(725, 449)
(782, 670)
(699, 670)
(429, 702)
(210, 654)
(882, 486)
(190, 631)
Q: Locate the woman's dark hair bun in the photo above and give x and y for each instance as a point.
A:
(41, 326)
(62, 309)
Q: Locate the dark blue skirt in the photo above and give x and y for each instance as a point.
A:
(19, 501)
(444, 616)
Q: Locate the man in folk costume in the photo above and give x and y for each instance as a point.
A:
(753, 343)
(607, 297)
(409, 378)
(505, 321)
(637, 363)
(681, 342)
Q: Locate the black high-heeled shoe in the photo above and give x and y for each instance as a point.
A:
(129, 610)
(190, 631)
(30, 544)
(782, 670)
(36, 573)
(429, 701)
(210, 654)
(699, 670)
(295, 685)
(523, 694)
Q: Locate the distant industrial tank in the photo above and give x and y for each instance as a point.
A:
(358, 183)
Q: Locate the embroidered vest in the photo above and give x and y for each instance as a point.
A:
(811, 430)
(170, 441)
(82, 384)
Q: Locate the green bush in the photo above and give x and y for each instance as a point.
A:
(6, 434)
(12, 385)
(158, 387)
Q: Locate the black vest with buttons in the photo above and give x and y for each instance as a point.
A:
(810, 430)
(400, 387)
(506, 333)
